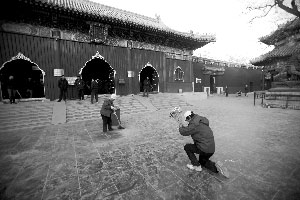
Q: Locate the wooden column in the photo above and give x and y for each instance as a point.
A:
(164, 73)
(129, 68)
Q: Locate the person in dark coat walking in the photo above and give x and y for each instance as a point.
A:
(146, 86)
(204, 144)
(94, 90)
(63, 87)
(30, 86)
(106, 111)
(226, 91)
(12, 89)
(79, 83)
(246, 90)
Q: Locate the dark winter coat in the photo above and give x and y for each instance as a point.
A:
(146, 84)
(201, 133)
(30, 84)
(94, 86)
(11, 84)
(106, 108)
(63, 84)
(79, 83)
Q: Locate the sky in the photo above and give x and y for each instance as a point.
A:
(237, 40)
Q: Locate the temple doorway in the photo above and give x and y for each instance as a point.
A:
(29, 78)
(149, 71)
(98, 69)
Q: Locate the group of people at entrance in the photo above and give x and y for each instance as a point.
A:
(13, 87)
(80, 87)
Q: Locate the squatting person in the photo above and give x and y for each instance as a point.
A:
(204, 144)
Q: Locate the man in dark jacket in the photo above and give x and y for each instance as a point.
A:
(63, 87)
(94, 90)
(12, 89)
(106, 111)
(146, 86)
(204, 144)
(79, 83)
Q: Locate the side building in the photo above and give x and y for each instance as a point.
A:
(214, 75)
(281, 66)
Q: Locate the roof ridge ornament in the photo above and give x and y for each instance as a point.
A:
(98, 55)
(20, 56)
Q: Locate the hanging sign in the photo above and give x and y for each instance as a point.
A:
(71, 80)
(130, 73)
(58, 72)
(198, 80)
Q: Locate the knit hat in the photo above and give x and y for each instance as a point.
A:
(113, 96)
(187, 113)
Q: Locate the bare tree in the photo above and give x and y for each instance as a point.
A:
(282, 4)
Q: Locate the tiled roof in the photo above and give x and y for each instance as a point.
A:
(121, 16)
(282, 32)
(277, 52)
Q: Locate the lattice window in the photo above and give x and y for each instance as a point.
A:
(178, 74)
(98, 32)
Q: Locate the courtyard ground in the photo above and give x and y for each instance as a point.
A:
(259, 146)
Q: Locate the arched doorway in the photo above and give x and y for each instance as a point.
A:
(98, 69)
(149, 71)
(22, 68)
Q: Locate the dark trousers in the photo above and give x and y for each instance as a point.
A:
(146, 90)
(62, 94)
(80, 94)
(12, 95)
(106, 123)
(204, 161)
(94, 93)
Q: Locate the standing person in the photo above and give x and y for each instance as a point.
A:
(94, 90)
(146, 86)
(226, 91)
(29, 87)
(106, 111)
(204, 144)
(79, 83)
(12, 89)
(246, 90)
(63, 87)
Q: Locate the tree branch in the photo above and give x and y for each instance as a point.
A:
(294, 10)
(262, 7)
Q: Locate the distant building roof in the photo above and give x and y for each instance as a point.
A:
(115, 15)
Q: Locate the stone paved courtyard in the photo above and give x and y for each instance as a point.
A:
(259, 146)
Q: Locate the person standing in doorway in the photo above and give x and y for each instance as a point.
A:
(94, 90)
(63, 87)
(204, 144)
(226, 91)
(79, 83)
(246, 90)
(146, 86)
(12, 89)
(29, 87)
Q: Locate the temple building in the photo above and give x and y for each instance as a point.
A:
(281, 66)
(44, 39)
